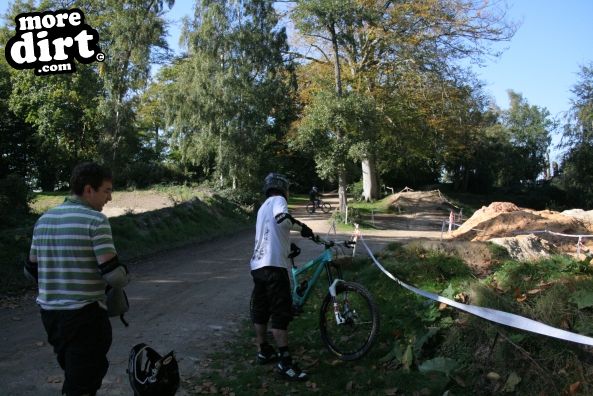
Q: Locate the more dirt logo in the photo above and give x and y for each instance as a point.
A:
(49, 41)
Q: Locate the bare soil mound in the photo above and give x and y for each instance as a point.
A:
(128, 202)
(586, 216)
(504, 219)
(525, 247)
(421, 201)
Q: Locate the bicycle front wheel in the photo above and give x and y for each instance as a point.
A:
(310, 208)
(349, 329)
(326, 207)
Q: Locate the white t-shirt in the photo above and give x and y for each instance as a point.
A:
(272, 240)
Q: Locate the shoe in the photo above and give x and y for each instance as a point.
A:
(266, 355)
(290, 371)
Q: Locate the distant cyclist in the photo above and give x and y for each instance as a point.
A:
(313, 198)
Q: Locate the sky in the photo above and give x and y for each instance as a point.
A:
(541, 61)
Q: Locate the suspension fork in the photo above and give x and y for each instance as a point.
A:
(332, 291)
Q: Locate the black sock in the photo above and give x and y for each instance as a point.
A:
(265, 347)
(284, 354)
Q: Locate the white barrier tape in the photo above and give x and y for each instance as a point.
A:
(554, 233)
(490, 314)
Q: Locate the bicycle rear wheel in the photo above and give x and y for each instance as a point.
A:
(351, 339)
(310, 208)
(326, 207)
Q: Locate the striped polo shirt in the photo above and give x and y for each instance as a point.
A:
(67, 240)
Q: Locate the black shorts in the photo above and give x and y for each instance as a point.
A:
(271, 297)
(81, 339)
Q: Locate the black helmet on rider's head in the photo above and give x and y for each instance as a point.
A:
(152, 374)
(276, 182)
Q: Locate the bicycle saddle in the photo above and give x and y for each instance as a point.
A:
(294, 251)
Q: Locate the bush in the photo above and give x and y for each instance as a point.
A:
(355, 190)
(146, 174)
(14, 199)
(242, 197)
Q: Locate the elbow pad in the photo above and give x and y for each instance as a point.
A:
(31, 270)
(282, 217)
(114, 273)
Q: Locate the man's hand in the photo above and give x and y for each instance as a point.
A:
(306, 232)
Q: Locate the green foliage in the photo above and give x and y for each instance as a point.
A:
(145, 174)
(578, 135)
(14, 199)
(582, 298)
(530, 129)
(243, 197)
(231, 98)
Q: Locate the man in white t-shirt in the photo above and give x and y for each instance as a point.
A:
(271, 299)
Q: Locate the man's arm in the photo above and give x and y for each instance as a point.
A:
(113, 271)
(287, 218)
(31, 268)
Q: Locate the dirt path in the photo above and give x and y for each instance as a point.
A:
(190, 300)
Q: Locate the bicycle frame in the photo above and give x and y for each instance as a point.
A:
(320, 263)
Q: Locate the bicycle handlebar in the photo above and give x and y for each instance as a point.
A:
(328, 244)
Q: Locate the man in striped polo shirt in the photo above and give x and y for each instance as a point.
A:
(73, 259)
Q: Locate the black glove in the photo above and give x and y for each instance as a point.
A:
(306, 232)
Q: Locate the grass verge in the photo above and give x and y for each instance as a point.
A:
(135, 235)
(426, 348)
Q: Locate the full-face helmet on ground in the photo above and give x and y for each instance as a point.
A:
(276, 181)
(152, 374)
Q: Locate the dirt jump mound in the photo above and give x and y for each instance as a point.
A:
(506, 220)
(420, 201)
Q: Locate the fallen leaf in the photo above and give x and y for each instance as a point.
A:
(512, 381)
(54, 379)
(521, 298)
(459, 381)
(349, 385)
(442, 306)
(391, 391)
(534, 291)
(492, 376)
(574, 388)
(462, 297)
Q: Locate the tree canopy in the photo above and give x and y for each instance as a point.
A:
(326, 91)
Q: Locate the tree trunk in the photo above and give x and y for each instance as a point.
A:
(342, 182)
(343, 198)
(369, 179)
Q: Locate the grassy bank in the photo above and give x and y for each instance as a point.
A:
(200, 217)
(429, 349)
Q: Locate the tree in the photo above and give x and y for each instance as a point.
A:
(377, 40)
(231, 91)
(577, 163)
(530, 130)
(54, 117)
(132, 34)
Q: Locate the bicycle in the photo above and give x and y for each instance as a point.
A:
(348, 318)
(319, 204)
